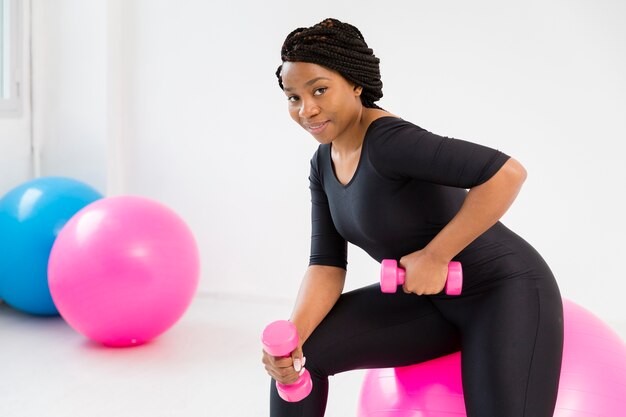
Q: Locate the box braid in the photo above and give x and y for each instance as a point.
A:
(341, 47)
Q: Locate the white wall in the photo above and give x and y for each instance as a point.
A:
(70, 90)
(15, 134)
(195, 119)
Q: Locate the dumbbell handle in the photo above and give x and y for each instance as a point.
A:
(280, 338)
(391, 275)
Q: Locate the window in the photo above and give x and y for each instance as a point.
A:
(10, 62)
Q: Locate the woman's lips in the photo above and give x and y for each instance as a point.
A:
(317, 127)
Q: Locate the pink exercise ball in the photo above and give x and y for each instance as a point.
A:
(593, 377)
(123, 270)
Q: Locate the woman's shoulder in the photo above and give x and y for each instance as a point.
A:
(378, 116)
(317, 159)
(389, 128)
(392, 140)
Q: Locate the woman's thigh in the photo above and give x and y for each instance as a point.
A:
(370, 329)
(512, 344)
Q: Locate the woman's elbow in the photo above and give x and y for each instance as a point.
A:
(515, 169)
(511, 174)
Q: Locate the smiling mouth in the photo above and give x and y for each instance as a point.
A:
(316, 127)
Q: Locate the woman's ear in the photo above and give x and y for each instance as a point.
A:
(359, 88)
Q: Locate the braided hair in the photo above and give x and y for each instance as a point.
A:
(338, 46)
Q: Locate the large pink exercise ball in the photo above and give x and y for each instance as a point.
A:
(123, 270)
(593, 378)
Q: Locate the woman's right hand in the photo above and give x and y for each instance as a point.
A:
(283, 369)
(320, 289)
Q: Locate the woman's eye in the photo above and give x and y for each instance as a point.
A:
(295, 98)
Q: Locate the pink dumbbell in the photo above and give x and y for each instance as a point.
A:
(391, 275)
(280, 338)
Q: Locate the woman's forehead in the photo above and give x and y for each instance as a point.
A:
(296, 74)
(302, 68)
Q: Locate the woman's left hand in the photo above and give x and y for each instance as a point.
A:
(425, 274)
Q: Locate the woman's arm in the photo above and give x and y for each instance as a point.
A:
(320, 289)
(484, 205)
(427, 268)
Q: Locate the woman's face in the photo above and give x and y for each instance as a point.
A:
(320, 99)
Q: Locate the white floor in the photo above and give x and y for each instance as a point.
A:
(208, 364)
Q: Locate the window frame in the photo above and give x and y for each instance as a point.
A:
(11, 49)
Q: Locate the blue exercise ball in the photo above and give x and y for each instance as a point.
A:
(31, 217)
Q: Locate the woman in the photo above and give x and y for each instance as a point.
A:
(399, 191)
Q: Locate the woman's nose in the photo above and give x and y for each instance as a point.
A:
(308, 109)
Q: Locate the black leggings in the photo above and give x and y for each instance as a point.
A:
(510, 335)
